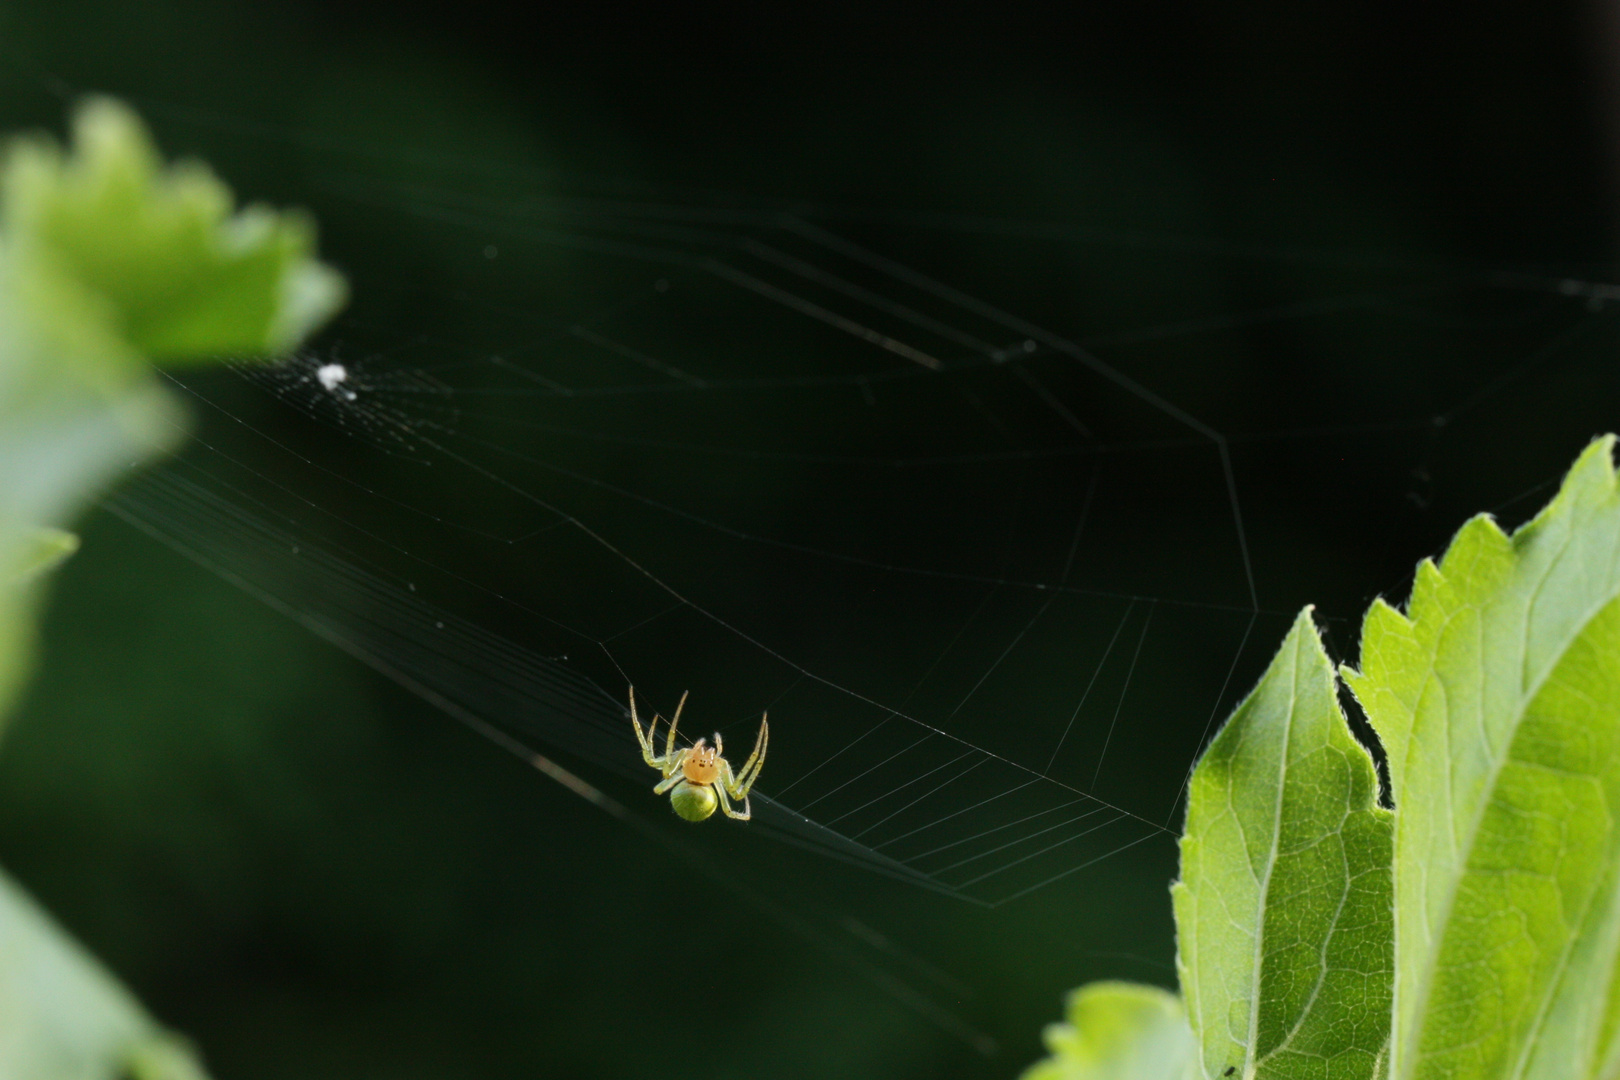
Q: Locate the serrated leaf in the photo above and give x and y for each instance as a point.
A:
(180, 274)
(1497, 696)
(1283, 907)
(1119, 1031)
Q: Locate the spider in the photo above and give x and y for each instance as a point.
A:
(697, 777)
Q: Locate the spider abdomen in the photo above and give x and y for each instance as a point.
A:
(694, 802)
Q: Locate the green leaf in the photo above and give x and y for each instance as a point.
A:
(1497, 696)
(49, 548)
(163, 1057)
(1283, 907)
(1119, 1031)
(109, 261)
(62, 1017)
(180, 274)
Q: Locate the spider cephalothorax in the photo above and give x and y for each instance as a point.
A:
(698, 777)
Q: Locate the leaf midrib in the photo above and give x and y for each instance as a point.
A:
(1250, 1063)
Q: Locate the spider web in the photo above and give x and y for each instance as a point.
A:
(994, 589)
(985, 512)
(968, 505)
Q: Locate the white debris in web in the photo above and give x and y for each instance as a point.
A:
(397, 410)
(332, 377)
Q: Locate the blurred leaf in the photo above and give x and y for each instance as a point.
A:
(50, 547)
(62, 1017)
(1119, 1031)
(163, 1057)
(1282, 910)
(1497, 696)
(108, 260)
(181, 276)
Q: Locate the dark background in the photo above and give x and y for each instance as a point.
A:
(1336, 234)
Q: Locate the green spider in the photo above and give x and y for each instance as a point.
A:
(697, 777)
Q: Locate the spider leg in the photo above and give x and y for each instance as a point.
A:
(669, 747)
(671, 765)
(669, 781)
(742, 781)
(645, 738)
(725, 803)
(740, 787)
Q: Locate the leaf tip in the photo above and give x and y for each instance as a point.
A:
(43, 552)
(1589, 481)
